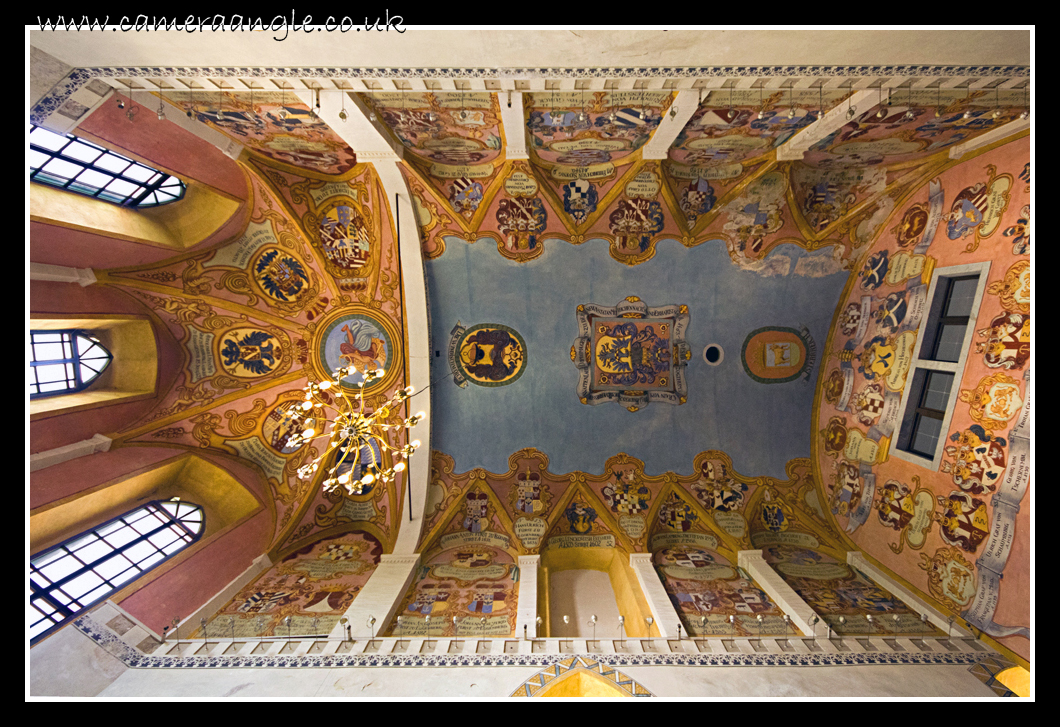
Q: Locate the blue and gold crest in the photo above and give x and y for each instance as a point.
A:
(579, 199)
(677, 514)
(281, 276)
(248, 352)
(775, 515)
(581, 517)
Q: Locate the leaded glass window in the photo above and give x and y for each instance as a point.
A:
(84, 570)
(64, 362)
(78, 165)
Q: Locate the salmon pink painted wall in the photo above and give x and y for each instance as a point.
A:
(53, 245)
(165, 144)
(195, 580)
(77, 475)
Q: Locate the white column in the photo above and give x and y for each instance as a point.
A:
(61, 274)
(372, 145)
(514, 126)
(526, 616)
(381, 596)
(1013, 127)
(906, 595)
(662, 610)
(658, 147)
(797, 145)
(782, 594)
(40, 460)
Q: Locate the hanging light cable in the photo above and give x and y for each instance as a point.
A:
(161, 100)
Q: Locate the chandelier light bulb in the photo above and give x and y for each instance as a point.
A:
(399, 467)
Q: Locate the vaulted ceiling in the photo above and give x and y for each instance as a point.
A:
(633, 266)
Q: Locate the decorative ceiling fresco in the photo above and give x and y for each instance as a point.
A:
(950, 530)
(276, 126)
(312, 284)
(574, 295)
(304, 593)
(907, 126)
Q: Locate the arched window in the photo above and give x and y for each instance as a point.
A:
(77, 165)
(81, 571)
(64, 362)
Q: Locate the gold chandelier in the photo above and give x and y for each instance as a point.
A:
(361, 439)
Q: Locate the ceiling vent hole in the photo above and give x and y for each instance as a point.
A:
(713, 354)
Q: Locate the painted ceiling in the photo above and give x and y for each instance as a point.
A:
(573, 297)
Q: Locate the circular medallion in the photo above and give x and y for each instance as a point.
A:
(362, 341)
(488, 354)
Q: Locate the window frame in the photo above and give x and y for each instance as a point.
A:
(74, 360)
(74, 608)
(908, 415)
(151, 188)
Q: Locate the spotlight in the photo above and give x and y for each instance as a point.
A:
(881, 113)
(908, 115)
(581, 116)
(121, 103)
(791, 113)
(371, 117)
(1025, 114)
(996, 114)
(851, 111)
(967, 114)
(189, 113)
(642, 115)
(938, 113)
(761, 114)
(343, 115)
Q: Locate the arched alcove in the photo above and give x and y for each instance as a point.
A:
(581, 582)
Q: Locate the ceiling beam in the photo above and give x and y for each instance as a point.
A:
(671, 125)
(512, 122)
(797, 146)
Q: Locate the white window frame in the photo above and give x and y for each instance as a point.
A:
(982, 269)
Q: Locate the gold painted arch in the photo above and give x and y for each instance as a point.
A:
(581, 676)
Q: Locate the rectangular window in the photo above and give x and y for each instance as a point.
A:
(938, 363)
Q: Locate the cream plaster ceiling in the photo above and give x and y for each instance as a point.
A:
(548, 48)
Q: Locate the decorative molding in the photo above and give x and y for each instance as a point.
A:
(134, 659)
(58, 95)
